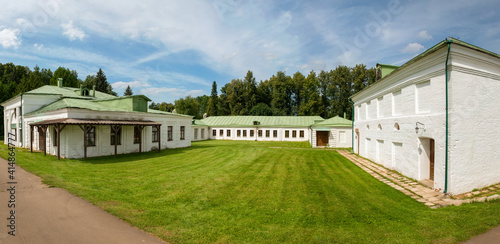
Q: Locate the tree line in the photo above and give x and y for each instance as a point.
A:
(325, 94)
(16, 79)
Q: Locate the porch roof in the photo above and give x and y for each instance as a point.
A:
(73, 121)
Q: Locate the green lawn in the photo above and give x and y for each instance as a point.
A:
(247, 192)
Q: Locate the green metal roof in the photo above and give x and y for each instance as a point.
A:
(198, 122)
(67, 92)
(265, 121)
(75, 103)
(154, 111)
(433, 49)
(335, 121)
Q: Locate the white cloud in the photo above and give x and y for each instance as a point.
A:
(194, 93)
(10, 37)
(73, 32)
(424, 35)
(412, 48)
(38, 46)
(132, 84)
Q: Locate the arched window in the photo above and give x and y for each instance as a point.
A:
(368, 127)
(379, 126)
(396, 126)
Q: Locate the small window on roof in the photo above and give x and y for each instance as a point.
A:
(396, 126)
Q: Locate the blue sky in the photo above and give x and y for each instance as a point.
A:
(171, 49)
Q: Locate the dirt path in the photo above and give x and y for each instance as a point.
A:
(52, 215)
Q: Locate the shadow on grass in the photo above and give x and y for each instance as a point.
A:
(110, 159)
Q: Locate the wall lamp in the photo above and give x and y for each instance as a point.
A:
(422, 126)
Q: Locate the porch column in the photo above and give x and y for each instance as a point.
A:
(159, 138)
(85, 130)
(43, 128)
(140, 127)
(58, 128)
(31, 138)
(115, 129)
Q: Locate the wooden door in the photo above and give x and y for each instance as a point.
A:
(321, 138)
(431, 160)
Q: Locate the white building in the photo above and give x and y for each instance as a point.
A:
(403, 123)
(334, 132)
(90, 123)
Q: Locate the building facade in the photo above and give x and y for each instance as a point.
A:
(78, 123)
(276, 128)
(435, 118)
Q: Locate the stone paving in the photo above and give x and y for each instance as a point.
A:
(417, 191)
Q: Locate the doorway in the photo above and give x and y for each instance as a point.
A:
(431, 160)
(322, 138)
(426, 157)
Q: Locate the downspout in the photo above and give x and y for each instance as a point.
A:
(21, 122)
(446, 143)
(352, 127)
(311, 135)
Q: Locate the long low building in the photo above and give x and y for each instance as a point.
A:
(79, 123)
(334, 132)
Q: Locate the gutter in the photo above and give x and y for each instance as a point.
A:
(446, 143)
(21, 122)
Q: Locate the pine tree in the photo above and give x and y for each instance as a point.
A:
(128, 92)
(213, 103)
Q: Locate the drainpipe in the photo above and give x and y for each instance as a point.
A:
(446, 146)
(311, 135)
(352, 128)
(21, 122)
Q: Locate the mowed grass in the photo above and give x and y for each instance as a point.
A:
(252, 192)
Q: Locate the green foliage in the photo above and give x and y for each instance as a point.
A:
(213, 102)
(261, 109)
(256, 192)
(128, 91)
(188, 105)
(70, 78)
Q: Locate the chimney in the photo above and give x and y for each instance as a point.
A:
(93, 90)
(345, 116)
(81, 90)
(205, 115)
(59, 82)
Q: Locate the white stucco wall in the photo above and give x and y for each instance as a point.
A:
(417, 94)
(339, 137)
(199, 133)
(280, 136)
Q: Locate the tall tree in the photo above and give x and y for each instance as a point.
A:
(311, 104)
(128, 92)
(188, 106)
(213, 102)
(281, 99)
(70, 78)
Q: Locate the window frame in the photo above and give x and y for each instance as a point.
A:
(268, 133)
(111, 135)
(301, 133)
(183, 132)
(90, 135)
(275, 133)
(170, 130)
(137, 135)
(155, 133)
(294, 133)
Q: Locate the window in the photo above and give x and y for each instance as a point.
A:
(90, 137)
(118, 138)
(396, 126)
(183, 132)
(195, 133)
(301, 134)
(238, 133)
(379, 126)
(202, 133)
(55, 137)
(294, 133)
(260, 133)
(244, 133)
(221, 133)
(228, 133)
(137, 135)
(268, 132)
(252, 133)
(214, 132)
(287, 133)
(368, 127)
(155, 134)
(275, 133)
(169, 133)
